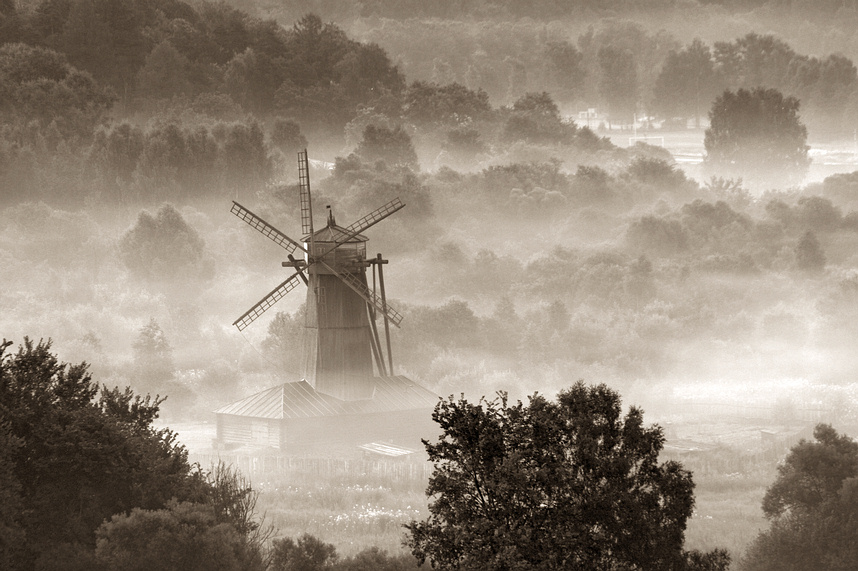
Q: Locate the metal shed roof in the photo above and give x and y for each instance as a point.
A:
(300, 400)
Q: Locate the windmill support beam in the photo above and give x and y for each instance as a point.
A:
(376, 344)
(380, 262)
(293, 263)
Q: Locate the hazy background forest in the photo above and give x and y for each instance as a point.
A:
(533, 251)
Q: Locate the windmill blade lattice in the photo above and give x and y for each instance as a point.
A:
(267, 301)
(266, 229)
(359, 288)
(374, 217)
(304, 192)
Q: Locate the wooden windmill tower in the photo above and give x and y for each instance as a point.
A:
(342, 349)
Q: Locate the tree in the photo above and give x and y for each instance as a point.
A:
(286, 136)
(37, 84)
(165, 248)
(812, 505)
(283, 344)
(182, 536)
(393, 146)
(220, 532)
(757, 135)
(244, 156)
(115, 152)
(105, 38)
(687, 83)
(164, 75)
(307, 554)
(755, 60)
(153, 357)
(565, 70)
(618, 86)
(570, 484)
(535, 117)
(809, 256)
(452, 104)
(79, 454)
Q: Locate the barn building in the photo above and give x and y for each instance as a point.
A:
(295, 418)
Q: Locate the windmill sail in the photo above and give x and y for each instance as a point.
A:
(371, 298)
(267, 301)
(265, 228)
(374, 217)
(304, 189)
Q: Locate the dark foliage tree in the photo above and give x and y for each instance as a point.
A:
(757, 135)
(427, 103)
(181, 536)
(754, 61)
(11, 534)
(283, 344)
(369, 77)
(618, 84)
(164, 247)
(356, 184)
(220, 532)
(657, 235)
(79, 455)
(812, 506)
(286, 136)
(657, 172)
(392, 146)
(687, 83)
(252, 79)
(809, 256)
(115, 152)
(105, 38)
(308, 553)
(824, 85)
(244, 156)
(13, 27)
(535, 117)
(227, 28)
(566, 71)
(463, 146)
(570, 484)
(330, 76)
(375, 559)
(38, 85)
(164, 74)
(153, 362)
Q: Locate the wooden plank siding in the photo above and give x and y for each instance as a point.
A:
(337, 351)
(261, 432)
(302, 435)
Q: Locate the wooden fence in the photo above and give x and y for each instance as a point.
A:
(323, 468)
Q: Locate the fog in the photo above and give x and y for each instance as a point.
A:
(540, 243)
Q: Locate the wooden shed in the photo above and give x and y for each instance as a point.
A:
(294, 417)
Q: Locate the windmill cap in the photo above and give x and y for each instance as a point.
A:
(334, 233)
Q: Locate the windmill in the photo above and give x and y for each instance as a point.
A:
(341, 341)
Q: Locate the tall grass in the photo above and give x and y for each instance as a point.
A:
(352, 511)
